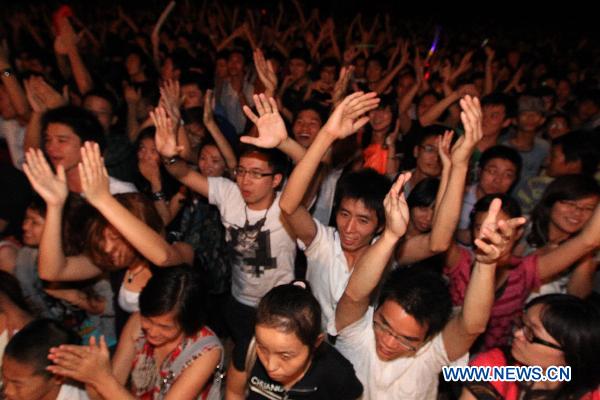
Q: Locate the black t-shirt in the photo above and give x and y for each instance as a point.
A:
(330, 376)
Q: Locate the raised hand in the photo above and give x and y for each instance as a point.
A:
(87, 364)
(51, 187)
(208, 117)
(265, 71)
(166, 136)
(396, 208)
(271, 128)
(42, 96)
(171, 99)
(67, 40)
(495, 237)
(131, 94)
(349, 116)
(341, 85)
(471, 117)
(444, 142)
(93, 174)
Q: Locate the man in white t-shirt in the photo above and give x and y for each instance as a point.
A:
(24, 373)
(399, 347)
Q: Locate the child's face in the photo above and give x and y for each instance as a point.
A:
(33, 226)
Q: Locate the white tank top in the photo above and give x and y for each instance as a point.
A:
(128, 300)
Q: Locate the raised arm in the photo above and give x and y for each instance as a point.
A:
(370, 267)
(212, 127)
(560, 258)
(265, 72)
(53, 265)
(66, 45)
(94, 181)
(271, 129)
(447, 213)
(13, 87)
(462, 330)
(383, 84)
(156, 32)
(170, 151)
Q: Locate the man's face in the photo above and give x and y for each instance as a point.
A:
(62, 146)
(20, 382)
(494, 120)
(374, 71)
(257, 192)
(306, 126)
(235, 65)
(298, 68)
(497, 176)
(558, 165)
(397, 333)
(356, 224)
(102, 109)
(428, 159)
(530, 121)
(192, 96)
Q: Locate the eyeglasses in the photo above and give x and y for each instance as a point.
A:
(496, 172)
(574, 206)
(385, 329)
(240, 172)
(530, 336)
(429, 149)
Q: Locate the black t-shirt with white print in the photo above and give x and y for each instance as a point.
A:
(330, 376)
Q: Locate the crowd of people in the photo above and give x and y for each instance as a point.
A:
(207, 200)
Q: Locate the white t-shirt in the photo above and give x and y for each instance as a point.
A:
(405, 378)
(71, 392)
(117, 186)
(263, 248)
(327, 271)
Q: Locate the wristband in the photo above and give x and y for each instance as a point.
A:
(6, 72)
(170, 161)
(158, 196)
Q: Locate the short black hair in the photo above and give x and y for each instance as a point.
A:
(105, 94)
(32, 344)
(275, 158)
(366, 185)
(195, 78)
(429, 131)
(423, 294)
(424, 193)
(300, 53)
(293, 309)
(510, 206)
(579, 146)
(314, 106)
(504, 153)
(176, 289)
(500, 99)
(82, 122)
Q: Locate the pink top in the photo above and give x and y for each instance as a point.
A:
(510, 298)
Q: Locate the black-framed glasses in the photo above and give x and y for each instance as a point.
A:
(385, 329)
(240, 172)
(531, 337)
(428, 148)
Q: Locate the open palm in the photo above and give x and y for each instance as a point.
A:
(51, 187)
(271, 128)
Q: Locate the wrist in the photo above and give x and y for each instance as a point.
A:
(390, 237)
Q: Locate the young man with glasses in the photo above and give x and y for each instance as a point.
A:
(261, 247)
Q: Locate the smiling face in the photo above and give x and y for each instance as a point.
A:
(528, 353)
(356, 224)
(569, 216)
(380, 118)
(33, 226)
(162, 330)
(21, 382)
(306, 126)
(62, 146)
(283, 355)
(211, 162)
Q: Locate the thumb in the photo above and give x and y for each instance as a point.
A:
(249, 140)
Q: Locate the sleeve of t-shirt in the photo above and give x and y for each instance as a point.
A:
(354, 334)
(219, 190)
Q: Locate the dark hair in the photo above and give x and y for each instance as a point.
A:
(104, 94)
(139, 205)
(429, 131)
(82, 122)
(424, 193)
(579, 146)
(510, 206)
(504, 153)
(567, 187)
(176, 289)
(292, 309)
(367, 186)
(330, 62)
(321, 111)
(300, 53)
(38, 205)
(170, 186)
(275, 158)
(500, 99)
(423, 294)
(575, 324)
(32, 344)
(195, 78)
(10, 288)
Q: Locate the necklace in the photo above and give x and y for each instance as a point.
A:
(131, 275)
